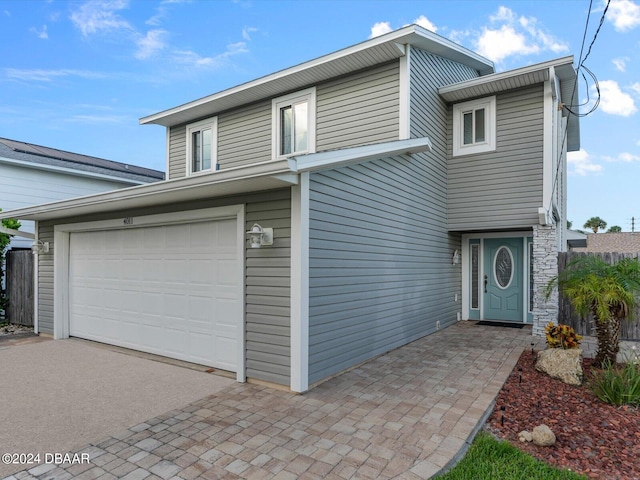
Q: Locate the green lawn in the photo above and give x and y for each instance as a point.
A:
(488, 458)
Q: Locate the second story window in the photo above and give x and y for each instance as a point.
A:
(293, 129)
(474, 126)
(201, 146)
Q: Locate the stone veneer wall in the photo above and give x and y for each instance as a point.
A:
(545, 267)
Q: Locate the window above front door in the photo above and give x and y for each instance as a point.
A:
(474, 126)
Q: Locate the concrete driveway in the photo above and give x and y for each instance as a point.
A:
(57, 396)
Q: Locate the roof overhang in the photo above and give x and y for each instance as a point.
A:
(247, 179)
(553, 70)
(339, 158)
(372, 52)
(265, 176)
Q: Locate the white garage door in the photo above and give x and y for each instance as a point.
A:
(173, 290)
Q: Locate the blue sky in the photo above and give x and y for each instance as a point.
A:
(78, 75)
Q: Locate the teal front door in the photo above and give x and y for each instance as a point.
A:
(503, 279)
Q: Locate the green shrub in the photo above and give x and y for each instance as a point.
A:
(617, 384)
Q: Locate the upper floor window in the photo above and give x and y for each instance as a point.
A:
(202, 145)
(474, 126)
(294, 123)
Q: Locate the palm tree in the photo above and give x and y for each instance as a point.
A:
(606, 291)
(614, 229)
(595, 224)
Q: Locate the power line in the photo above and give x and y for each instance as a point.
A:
(580, 67)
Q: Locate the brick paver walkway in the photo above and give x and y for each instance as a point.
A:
(406, 414)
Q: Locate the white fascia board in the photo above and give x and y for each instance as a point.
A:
(130, 197)
(17, 233)
(354, 49)
(496, 77)
(71, 171)
(398, 39)
(338, 158)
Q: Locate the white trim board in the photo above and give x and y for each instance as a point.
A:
(300, 285)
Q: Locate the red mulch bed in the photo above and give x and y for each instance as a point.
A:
(592, 438)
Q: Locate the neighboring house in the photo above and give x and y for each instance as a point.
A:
(576, 240)
(627, 242)
(33, 174)
(408, 186)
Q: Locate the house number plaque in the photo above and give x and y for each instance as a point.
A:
(128, 220)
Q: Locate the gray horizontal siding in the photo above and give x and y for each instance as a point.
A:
(379, 261)
(45, 283)
(267, 285)
(244, 135)
(429, 112)
(359, 109)
(177, 152)
(268, 290)
(501, 189)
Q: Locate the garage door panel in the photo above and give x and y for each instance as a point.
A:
(171, 290)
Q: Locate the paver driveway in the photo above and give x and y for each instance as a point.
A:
(405, 414)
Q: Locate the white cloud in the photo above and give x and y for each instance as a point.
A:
(424, 22)
(581, 163)
(621, 63)
(97, 16)
(37, 75)
(42, 33)
(191, 58)
(623, 157)
(380, 28)
(150, 44)
(499, 44)
(512, 35)
(247, 31)
(624, 14)
(635, 87)
(614, 101)
(504, 14)
(99, 119)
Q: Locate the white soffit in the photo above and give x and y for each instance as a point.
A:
(372, 52)
(500, 82)
(254, 178)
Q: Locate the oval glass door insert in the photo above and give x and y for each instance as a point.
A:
(503, 267)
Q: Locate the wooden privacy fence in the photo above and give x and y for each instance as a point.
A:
(584, 326)
(19, 282)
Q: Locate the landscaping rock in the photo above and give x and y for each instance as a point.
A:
(543, 436)
(525, 436)
(565, 365)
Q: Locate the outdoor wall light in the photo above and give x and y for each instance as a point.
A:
(260, 236)
(38, 247)
(456, 258)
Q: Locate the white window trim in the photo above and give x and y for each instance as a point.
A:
(202, 124)
(489, 145)
(276, 104)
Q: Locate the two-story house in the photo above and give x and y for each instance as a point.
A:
(324, 214)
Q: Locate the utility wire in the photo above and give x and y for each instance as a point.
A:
(580, 67)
